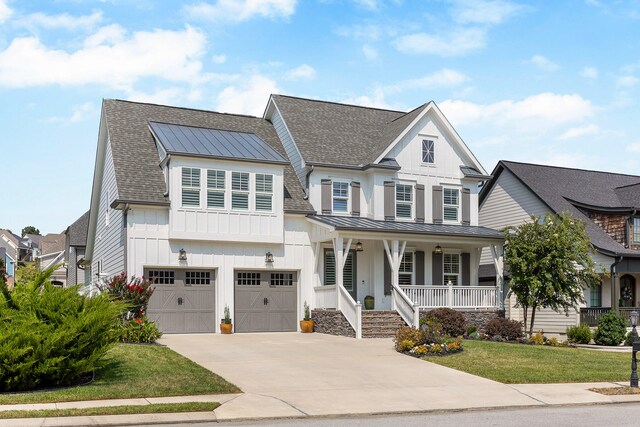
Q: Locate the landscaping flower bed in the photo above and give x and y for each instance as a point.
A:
(536, 339)
(435, 349)
(429, 340)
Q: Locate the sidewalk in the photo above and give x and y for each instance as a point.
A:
(262, 406)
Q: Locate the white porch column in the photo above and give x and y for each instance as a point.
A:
(338, 252)
(497, 253)
(395, 254)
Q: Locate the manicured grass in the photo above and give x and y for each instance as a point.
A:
(519, 364)
(131, 370)
(163, 408)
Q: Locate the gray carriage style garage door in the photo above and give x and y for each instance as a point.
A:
(183, 300)
(265, 301)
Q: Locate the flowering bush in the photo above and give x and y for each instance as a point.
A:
(139, 330)
(448, 347)
(134, 292)
(428, 340)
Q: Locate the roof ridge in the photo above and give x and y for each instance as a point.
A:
(409, 112)
(627, 185)
(152, 104)
(200, 127)
(340, 103)
(568, 168)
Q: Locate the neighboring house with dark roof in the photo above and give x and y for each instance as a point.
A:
(52, 253)
(609, 205)
(314, 202)
(75, 246)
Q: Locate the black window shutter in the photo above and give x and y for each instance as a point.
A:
(419, 203)
(355, 199)
(437, 204)
(325, 196)
(466, 206)
(420, 268)
(389, 200)
(436, 269)
(465, 260)
(387, 274)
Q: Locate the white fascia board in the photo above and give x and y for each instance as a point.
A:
(98, 173)
(431, 106)
(268, 114)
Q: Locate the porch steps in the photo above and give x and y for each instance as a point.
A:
(380, 323)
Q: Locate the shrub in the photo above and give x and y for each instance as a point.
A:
(452, 321)
(611, 329)
(51, 336)
(471, 329)
(628, 339)
(138, 330)
(506, 328)
(538, 338)
(404, 336)
(134, 292)
(431, 331)
(579, 334)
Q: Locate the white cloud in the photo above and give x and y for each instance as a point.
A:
(369, 52)
(490, 12)
(627, 81)
(219, 59)
(441, 78)
(364, 32)
(241, 10)
(302, 72)
(579, 131)
(5, 11)
(543, 63)
(166, 96)
(249, 97)
(80, 113)
(454, 43)
(376, 100)
(64, 21)
(110, 57)
(368, 4)
(589, 73)
(634, 147)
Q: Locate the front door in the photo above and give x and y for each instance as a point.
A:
(349, 272)
(265, 301)
(627, 291)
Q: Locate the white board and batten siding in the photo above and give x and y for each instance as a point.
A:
(110, 232)
(202, 223)
(150, 245)
(289, 145)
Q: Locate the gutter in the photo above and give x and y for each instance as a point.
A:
(306, 190)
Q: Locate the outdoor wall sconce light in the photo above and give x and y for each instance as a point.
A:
(182, 256)
(633, 317)
(438, 250)
(268, 258)
(359, 247)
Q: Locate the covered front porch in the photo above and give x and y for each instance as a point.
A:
(404, 267)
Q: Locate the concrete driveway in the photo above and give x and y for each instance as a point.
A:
(294, 374)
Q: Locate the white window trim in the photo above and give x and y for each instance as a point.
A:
(413, 201)
(348, 198)
(433, 140)
(458, 274)
(183, 187)
(413, 265)
(459, 189)
(247, 192)
(263, 193)
(216, 190)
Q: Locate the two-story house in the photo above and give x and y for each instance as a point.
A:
(316, 201)
(607, 202)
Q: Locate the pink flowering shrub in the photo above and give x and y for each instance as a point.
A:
(135, 292)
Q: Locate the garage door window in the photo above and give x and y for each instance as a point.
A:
(281, 279)
(197, 278)
(162, 277)
(249, 279)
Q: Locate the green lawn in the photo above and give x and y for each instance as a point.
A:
(519, 364)
(163, 408)
(136, 371)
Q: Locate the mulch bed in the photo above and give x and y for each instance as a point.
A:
(616, 391)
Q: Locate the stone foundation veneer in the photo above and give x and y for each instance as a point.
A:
(477, 318)
(331, 322)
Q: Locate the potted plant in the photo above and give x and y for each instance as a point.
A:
(369, 302)
(226, 327)
(306, 325)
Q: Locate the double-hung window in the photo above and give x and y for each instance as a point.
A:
(595, 297)
(428, 151)
(406, 271)
(215, 188)
(264, 192)
(451, 268)
(404, 201)
(451, 204)
(190, 187)
(636, 230)
(348, 273)
(340, 196)
(240, 190)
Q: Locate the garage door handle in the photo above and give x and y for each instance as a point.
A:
(266, 301)
(179, 301)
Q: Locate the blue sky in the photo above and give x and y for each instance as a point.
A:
(546, 82)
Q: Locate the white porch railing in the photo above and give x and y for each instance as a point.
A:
(408, 310)
(351, 310)
(426, 296)
(326, 296)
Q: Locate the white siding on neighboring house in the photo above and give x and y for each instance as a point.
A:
(290, 147)
(109, 241)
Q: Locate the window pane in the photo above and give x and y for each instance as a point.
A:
(427, 151)
(340, 189)
(190, 177)
(215, 179)
(190, 197)
(195, 278)
(406, 264)
(162, 277)
(264, 183)
(239, 200)
(595, 299)
(330, 270)
(263, 202)
(340, 205)
(403, 193)
(215, 199)
(636, 230)
(451, 263)
(403, 210)
(240, 181)
(450, 213)
(450, 196)
(452, 279)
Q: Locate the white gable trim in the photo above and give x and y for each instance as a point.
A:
(452, 134)
(268, 114)
(103, 140)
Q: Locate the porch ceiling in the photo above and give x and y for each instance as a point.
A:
(359, 224)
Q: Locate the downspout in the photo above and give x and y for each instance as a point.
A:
(306, 190)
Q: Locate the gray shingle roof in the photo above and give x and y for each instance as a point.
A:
(215, 143)
(52, 243)
(135, 157)
(371, 225)
(77, 232)
(340, 134)
(561, 189)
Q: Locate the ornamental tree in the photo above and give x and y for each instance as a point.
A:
(135, 292)
(551, 264)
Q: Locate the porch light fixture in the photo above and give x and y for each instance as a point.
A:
(359, 247)
(438, 250)
(182, 256)
(268, 258)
